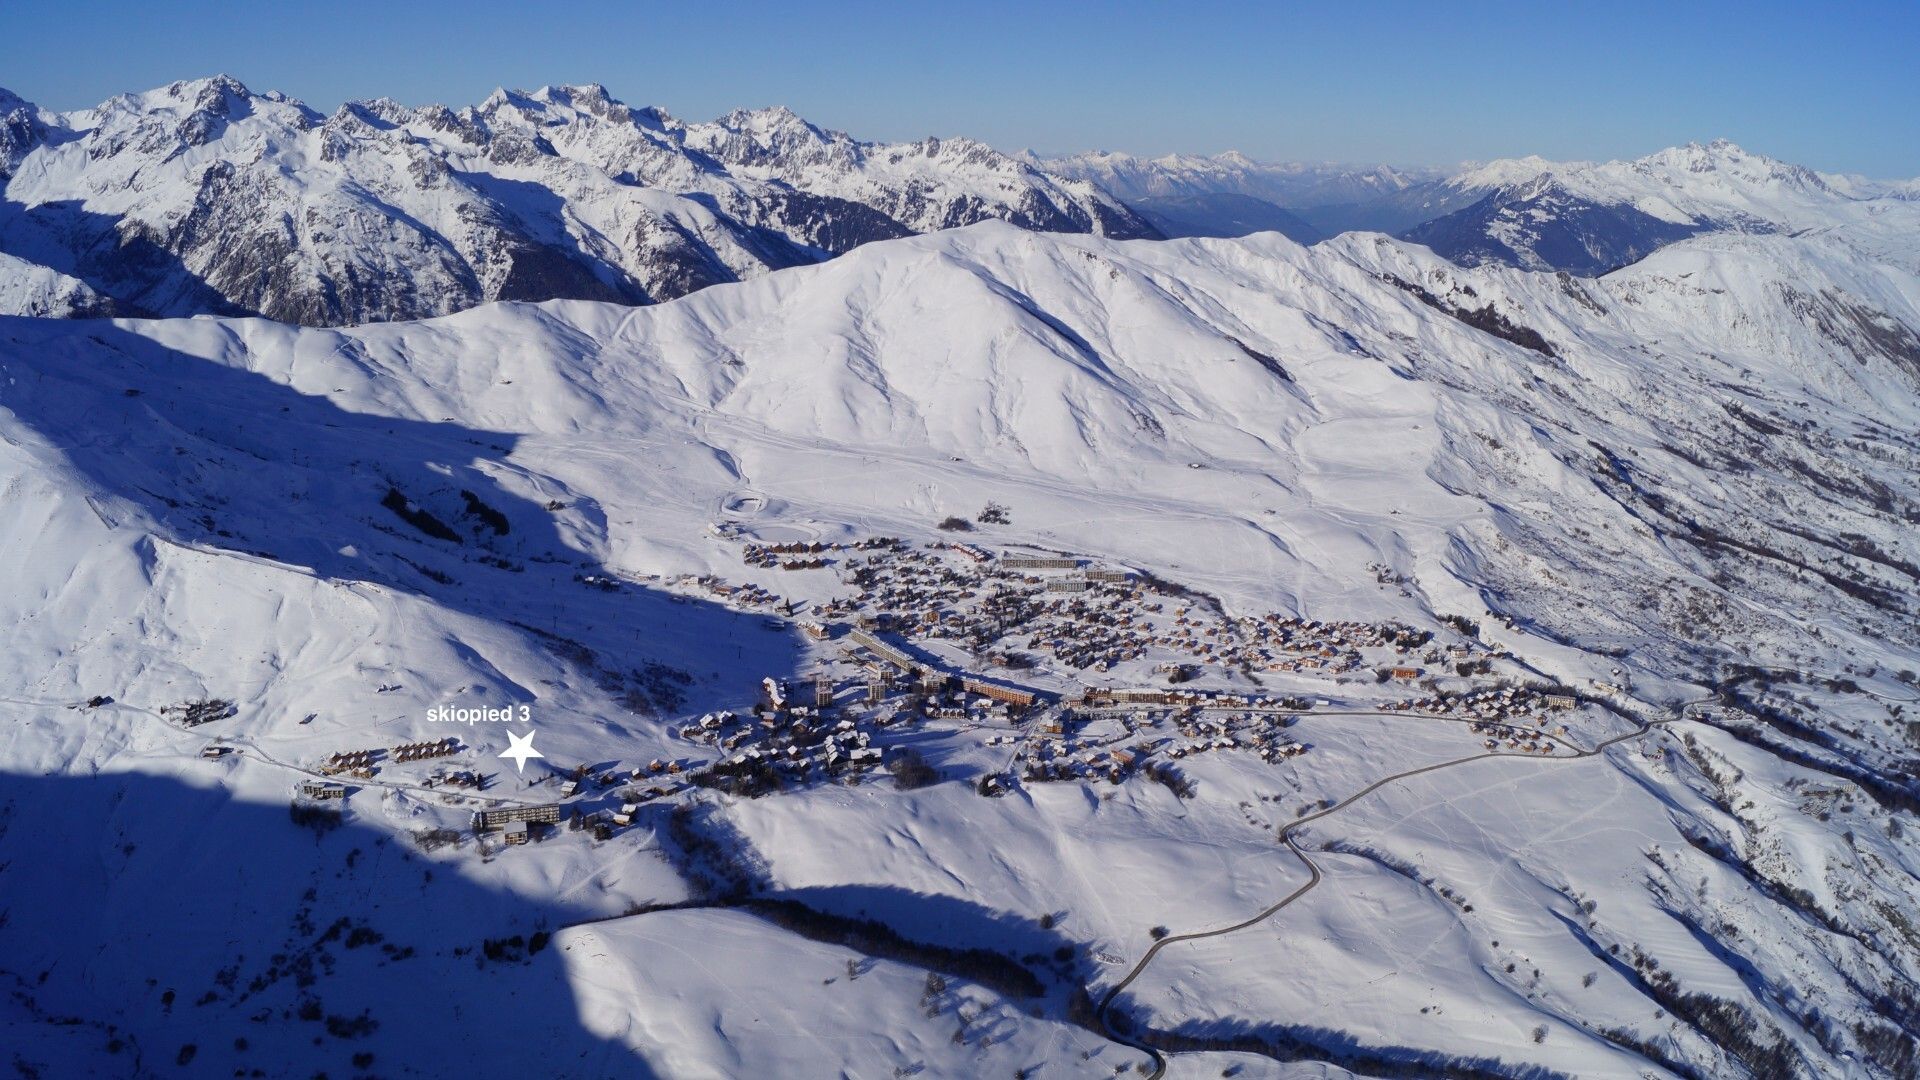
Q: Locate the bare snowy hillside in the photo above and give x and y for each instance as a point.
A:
(1345, 660)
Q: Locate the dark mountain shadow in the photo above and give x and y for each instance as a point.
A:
(129, 266)
(948, 922)
(150, 926)
(223, 459)
(1301, 1043)
(546, 262)
(1562, 231)
(1023, 959)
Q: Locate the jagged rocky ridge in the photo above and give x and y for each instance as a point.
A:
(206, 197)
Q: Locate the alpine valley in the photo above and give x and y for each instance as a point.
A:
(964, 631)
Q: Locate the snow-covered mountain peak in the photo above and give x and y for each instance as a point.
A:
(1590, 218)
(1727, 162)
(21, 128)
(252, 202)
(1504, 172)
(1702, 177)
(773, 120)
(751, 136)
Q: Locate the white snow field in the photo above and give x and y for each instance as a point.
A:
(1633, 484)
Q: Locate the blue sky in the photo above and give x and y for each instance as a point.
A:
(1831, 86)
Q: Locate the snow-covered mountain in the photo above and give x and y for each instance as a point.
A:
(1689, 480)
(1590, 218)
(1288, 184)
(1188, 192)
(204, 196)
(1528, 212)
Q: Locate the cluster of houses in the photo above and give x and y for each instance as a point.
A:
(465, 779)
(1500, 714)
(421, 751)
(356, 763)
(362, 763)
(1023, 611)
(1513, 738)
(1496, 704)
(807, 554)
(1042, 758)
(784, 741)
(748, 595)
(1019, 612)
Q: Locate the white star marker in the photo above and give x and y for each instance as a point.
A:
(520, 748)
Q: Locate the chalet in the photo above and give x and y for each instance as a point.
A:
(518, 832)
(1560, 701)
(1405, 674)
(315, 789)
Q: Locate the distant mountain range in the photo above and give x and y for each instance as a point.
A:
(1591, 218)
(204, 197)
(1530, 213)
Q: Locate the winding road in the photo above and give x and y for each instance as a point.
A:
(1102, 1011)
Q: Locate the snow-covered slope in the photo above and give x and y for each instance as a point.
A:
(28, 289)
(1691, 478)
(1588, 218)
(203, 196)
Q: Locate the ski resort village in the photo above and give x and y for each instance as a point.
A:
(1022, 668)
(551, 589)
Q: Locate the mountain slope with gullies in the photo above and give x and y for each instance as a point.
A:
(1683, 491)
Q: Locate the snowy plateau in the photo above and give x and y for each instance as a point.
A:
(1013, 646)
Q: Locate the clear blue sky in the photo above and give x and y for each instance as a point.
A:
(1833, 86)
